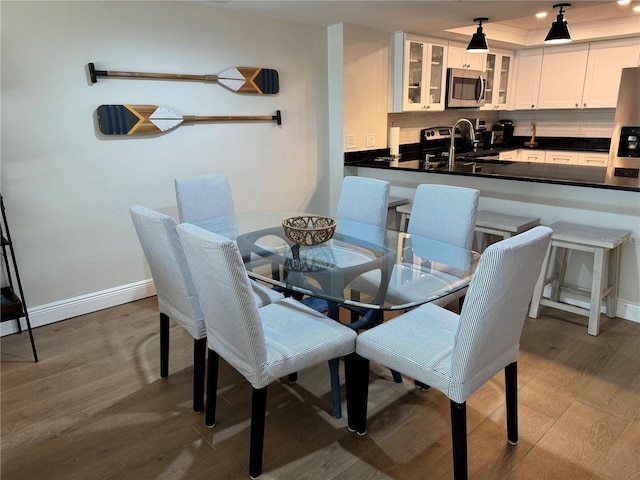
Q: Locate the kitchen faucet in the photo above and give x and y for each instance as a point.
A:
(452, 147)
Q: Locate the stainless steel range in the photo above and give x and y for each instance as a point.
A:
(624, 155)
(435, 143)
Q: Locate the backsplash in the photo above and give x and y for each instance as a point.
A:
(588, 123)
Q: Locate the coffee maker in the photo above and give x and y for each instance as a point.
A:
(507, 132)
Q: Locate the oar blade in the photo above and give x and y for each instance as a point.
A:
(261, 81)
(136, 119)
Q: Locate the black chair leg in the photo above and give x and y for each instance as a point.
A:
(511, 387)
(356, 372)
(199, 370)
(212, 388)
(422, 386)
(459, 436)
(460, 303)
(258, 414)
(164, 345)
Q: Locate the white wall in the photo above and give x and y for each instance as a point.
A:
(67, 189)
(366, 78)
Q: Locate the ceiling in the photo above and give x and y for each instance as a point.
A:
(511, 24)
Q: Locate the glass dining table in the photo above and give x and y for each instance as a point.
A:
(363, 268)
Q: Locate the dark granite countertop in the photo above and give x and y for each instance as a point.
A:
(576, 175)
(484, 163)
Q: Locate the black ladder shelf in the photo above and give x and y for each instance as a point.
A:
(13, 304)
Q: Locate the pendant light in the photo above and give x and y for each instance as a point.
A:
(559, 32)
(478, 43)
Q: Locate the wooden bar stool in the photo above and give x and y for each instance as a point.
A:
(394, 204)
(603, 243)
(405, 212)
(505, 226)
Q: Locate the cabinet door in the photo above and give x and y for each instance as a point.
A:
(561, 157)
(497, 94)
(604, 67)
(414, 76)
(436, 74)
(459, 58)
(511, 155)
(528, 68)
(562, 78)
(537, 156)
(591, 159)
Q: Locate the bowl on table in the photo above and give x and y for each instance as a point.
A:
(309, 229)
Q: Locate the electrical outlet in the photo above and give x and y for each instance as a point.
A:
(370, 140)
(351, 141)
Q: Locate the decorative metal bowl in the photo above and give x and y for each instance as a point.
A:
(309, 230)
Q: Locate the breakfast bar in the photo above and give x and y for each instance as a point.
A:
(552, 193)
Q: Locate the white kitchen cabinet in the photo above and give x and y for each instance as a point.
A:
(593, 159)
(562, 77)
(561, 157)
(419, 69)
(458, 57)
(529, 155)
(499, 79)
(511, 155)
(604, 66)
(527, 79)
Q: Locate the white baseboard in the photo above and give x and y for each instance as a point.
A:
(73, 307)
(92, 302)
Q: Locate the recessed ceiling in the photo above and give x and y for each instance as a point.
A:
(512, 24)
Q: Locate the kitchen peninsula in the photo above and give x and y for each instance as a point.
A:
(580, 195)
(469, 166)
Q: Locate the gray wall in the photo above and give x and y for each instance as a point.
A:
(67, 189)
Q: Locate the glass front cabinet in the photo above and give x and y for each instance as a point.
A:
(419, 73)
(499, 66)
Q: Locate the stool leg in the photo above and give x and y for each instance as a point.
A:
(614, 274)
(403, 222)
(534, 310)
(559, 263)
(596, 290)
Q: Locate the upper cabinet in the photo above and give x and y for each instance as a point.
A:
(604, 67)
(499, 67)
(562, 77)
(419, 73)
(457, 57)
(529, 66)
(573, 76)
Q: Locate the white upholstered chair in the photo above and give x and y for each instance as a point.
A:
(456, 354)
(177, 297)
(364, 200)
(203, 197)
(261, 344)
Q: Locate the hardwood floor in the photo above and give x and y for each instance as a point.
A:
(95, 408)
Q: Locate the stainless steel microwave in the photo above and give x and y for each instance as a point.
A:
(465, 88)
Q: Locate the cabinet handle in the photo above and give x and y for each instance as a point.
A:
(533, 106)
(584, 104)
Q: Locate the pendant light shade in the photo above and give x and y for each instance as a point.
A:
(478, 43)
(559, 32)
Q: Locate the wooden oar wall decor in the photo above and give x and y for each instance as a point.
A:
(150, 119)
(251, 80)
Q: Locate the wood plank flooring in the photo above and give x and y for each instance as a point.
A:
(95, 408)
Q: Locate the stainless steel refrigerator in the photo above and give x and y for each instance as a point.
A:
(624, 154)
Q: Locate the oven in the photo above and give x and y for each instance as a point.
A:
(435, 142)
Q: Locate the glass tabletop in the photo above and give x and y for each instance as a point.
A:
(361, 265)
